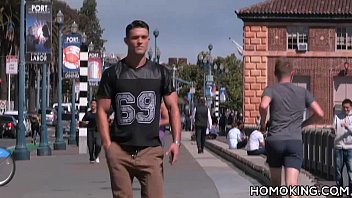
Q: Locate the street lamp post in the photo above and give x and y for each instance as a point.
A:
(72, 138)
(150, 53)
(21, 152)
(206, 61)
(158, 53)
(156, 34)
(90, 49)
(59, 143)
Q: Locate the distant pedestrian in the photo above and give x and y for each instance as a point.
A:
(35, 127)
(256, 143)
(202, 121)
(287, 104)
(93, 137)
(222, 124)
(343, 142)
(235, 137)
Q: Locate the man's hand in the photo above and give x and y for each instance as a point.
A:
(173, 153)
(106, 146)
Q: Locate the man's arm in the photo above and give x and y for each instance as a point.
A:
(263, 110)
(175, 122)
(103, 106)
(317, 114)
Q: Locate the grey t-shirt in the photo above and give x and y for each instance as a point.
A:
(287, 106)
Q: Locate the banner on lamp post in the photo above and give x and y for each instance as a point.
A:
(38, 32)
(71, 56)
(11, 64)
(222, 95)
(94, 67)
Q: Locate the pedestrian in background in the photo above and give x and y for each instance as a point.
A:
(134, 87)
(256, 143)
(343, 143)
(93, 137)
(287, 102)
(202, 121)
(35, 127)
(235, 137)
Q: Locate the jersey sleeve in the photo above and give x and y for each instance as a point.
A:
(167, 87)
(104, 90)
(309, 99)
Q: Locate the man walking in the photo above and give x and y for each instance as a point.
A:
(202, 121)
(343, 143)
(287, 103)
(134, 87)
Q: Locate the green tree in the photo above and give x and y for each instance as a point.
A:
(92, 26)
(231, 80)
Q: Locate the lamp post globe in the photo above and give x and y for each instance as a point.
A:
(59, 143)
(74, 27)
(91, 46)
(156, 33)
(84, 37)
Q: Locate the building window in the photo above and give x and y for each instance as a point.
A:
(296, 35)
(344, 38)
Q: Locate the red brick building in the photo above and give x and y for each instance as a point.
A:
(315, 35)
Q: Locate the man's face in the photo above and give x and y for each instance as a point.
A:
(137, 41)
(346, 108)
(93, 105)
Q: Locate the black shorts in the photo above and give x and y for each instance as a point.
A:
(287, 153)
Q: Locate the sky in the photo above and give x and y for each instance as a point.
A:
(186, 27)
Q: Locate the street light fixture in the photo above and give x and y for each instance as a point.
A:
(59, 143)
(206, 62)
(72, 138)
(21, 152)
(90, 49)
(84, 37)
(156, 34)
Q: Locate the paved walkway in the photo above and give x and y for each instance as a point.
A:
(68, 174)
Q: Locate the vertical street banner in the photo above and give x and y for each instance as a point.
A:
(94, 68)
(38, 32)
(11, 64)
(71, 55)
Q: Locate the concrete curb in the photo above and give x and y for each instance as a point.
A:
(257, 171)
(245, 165)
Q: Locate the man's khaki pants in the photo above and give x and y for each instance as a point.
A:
(146, 165)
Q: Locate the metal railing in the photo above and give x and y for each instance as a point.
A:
(318, 151)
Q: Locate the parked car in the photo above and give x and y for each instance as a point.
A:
(26, 121)
(51, 115)
(8, 125)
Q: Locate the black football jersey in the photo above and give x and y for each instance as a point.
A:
(135, 95)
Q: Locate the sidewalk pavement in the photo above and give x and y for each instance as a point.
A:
(68, 174)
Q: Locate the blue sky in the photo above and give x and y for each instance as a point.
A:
(186, 26)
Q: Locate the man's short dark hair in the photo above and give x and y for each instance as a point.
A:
(283, 67)
(136, 24)
(346, 101)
